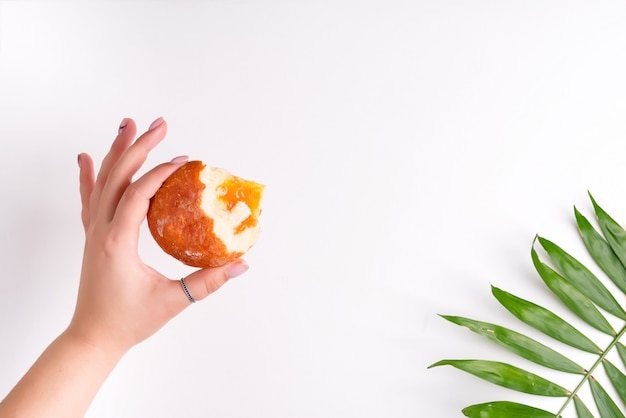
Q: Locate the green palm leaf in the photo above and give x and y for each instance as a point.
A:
(612, 231)
(545, 321)
(584, 294)
(520, 344)
(581, 409)
(617, 378)
(505, 410)
(508, 376)
(621, 350)
(582, 278)
(605, 404)
(601, 252)
(574, 299)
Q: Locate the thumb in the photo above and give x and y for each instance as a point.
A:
(202, 283)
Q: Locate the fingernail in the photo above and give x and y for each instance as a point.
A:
(181, 159)
(156, 123)
(123, 124)
(78, 158)
(236, 269)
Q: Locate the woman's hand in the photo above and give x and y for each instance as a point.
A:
(121, 300)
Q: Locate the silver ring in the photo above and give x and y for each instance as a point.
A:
(186, 290)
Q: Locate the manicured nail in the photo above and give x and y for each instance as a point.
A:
(156, 124)
(123, 124)
(181, 159)
(236, 269)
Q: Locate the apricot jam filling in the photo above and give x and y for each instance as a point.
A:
(235, 190)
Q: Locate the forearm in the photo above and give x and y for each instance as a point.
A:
(62, 382)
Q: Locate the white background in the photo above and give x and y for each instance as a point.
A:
(411, 151)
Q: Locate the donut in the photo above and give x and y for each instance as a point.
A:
(205, 216)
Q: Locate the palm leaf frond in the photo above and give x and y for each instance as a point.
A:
(617, 378)
(586, 296)
(508, 376)
(612, 231)
(601, 252)
(605, 404)
(505, 409)
(574, 299)
(582, 278)
(581, 409)
(520, 344)
(621, 350)
(545, 321)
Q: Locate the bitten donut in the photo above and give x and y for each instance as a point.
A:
(204, 216)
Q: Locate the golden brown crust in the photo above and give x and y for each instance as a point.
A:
(180, 226)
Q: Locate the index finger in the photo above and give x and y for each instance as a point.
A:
(125, 136)
(120, 176)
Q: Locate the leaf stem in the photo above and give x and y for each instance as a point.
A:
(591, 370)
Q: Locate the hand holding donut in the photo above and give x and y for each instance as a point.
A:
(121, 301)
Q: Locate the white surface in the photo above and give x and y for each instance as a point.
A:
(411, 150)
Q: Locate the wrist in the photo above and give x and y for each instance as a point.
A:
(102, 349)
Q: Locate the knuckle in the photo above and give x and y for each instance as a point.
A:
(112, 244)
(133, 192)
(213, 283)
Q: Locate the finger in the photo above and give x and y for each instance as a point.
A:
(134, 203)
(86, 184)
(125, 136)
(203, 282)
(120, 176)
